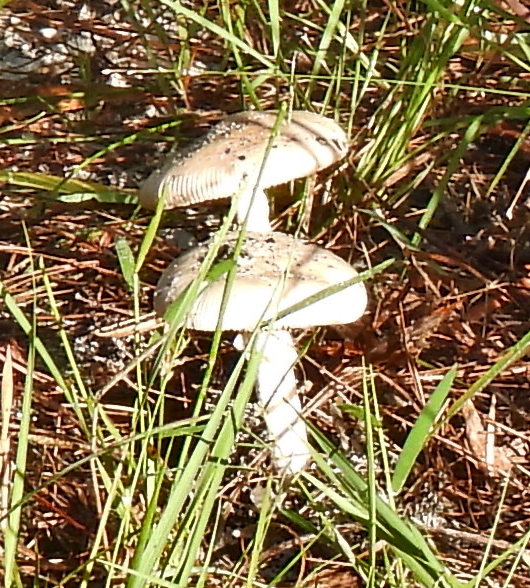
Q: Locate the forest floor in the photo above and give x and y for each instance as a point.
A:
(461, 298)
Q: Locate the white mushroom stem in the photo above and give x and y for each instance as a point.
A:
(278, 396)
(253, 210)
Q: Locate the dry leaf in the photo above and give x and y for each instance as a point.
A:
(494, 460)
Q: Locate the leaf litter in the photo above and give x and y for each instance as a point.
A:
(462, 298)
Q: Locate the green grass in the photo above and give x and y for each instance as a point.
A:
(395, 88)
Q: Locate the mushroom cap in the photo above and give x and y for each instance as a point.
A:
(274, 272)
(229, 157)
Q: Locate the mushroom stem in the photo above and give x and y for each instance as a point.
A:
(253, 210)
(278, 395)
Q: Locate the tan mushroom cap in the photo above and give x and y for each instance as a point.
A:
(274, 272)
(229, 157)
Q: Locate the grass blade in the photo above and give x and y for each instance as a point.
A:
(422, 431)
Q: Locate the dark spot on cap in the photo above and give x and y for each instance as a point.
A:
(225, 251)
(242, 157)
(338, 144)
(227, 150)
(245, 255)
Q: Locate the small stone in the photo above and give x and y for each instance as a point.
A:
(48, 32)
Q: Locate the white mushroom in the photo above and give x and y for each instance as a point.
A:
(242, 156)
(274, 272)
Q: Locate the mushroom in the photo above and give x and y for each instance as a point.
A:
(243, 155)
(275, 274)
